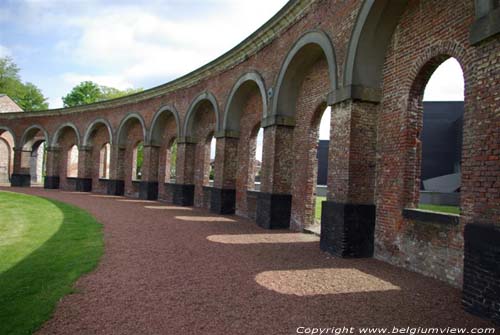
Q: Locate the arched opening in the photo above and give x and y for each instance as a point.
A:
(322, 130)
(255, 158)
(137, 161)
(439, 136)
(171, 162)
(130, 141)
(6, 156)
(201, 124)
(34, 155)
(212, 143)
(72, 164)
(104, 161)
(246, 106)
(307, 76)
(66, 140)
(98, 138)
(164, 132)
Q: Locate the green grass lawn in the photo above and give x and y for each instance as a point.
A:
(439, 208)
(319, 200)
(45, 246)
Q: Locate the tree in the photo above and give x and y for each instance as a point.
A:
(32, 99)
(88, 92)
(108, 93)
(84, 93)
(27, 96)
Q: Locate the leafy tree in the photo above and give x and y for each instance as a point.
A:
(88, 92)
(27, 96)
(108, 93)
(32, 99)
(84, 93)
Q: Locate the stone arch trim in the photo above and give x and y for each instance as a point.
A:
(319, 38)
(91, 127)
(252, 76)
(7, 129)
(27, 130)
(56, 135)
(124, 121)
(165, 109)
(192, 109)
(370, 38)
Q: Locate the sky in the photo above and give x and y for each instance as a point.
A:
(131, 44)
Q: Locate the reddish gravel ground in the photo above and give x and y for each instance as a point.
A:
(163, 273)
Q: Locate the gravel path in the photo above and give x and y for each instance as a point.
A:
(170, 270)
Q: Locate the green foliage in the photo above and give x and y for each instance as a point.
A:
(88, 92)
(27, 96)
(108, 93)
(84, 93)
(32, 99)
(45, 246)
(317, 213)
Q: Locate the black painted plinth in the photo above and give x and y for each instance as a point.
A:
(20, 180)
(182, 195)
(223, 201)
(481, 288)
(51, 182)
(115, 187)
(273, 210)
(83, 184)
(347, 230)
(148, 190)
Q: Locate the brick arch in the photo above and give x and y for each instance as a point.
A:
(310, 47)
(122, 128)
(9, 130)
(245, 84)
(57, 133)
(370, 38)
(92, 126)
(29, 131)
(419, 75)
(154, 130)
(193, 107)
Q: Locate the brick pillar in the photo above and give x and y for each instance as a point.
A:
(52, 177)
(84, 179)
(223, 197)
(274, 201)
(480, 189)
(182, 192)
(348, 215)
(116, 182)
(21, 174)
(148, 188)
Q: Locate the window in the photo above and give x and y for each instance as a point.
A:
(104, 161)
(137, 160)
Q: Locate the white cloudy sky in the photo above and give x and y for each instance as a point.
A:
(130, 44)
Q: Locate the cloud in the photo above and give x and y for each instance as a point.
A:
(116, 81)
(4, 51)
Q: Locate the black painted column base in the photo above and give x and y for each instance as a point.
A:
(274, 210)
(148, 190)
(481, 288)
(51, 182)
(183, 195)
(223, 201)
(347, 230)
(20, 180)
(115, 187)
(83, 184)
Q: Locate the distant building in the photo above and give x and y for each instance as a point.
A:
(7, 105)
